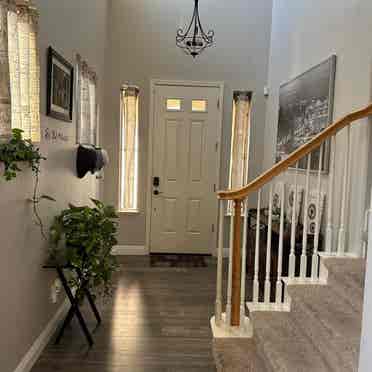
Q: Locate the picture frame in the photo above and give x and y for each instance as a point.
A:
(305, 109)
(60, 87)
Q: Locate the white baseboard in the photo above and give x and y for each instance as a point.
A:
(42, 341)
(130, 250)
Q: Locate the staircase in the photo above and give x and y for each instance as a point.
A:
(305, 310)
(321, 333)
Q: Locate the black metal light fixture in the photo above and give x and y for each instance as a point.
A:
(194, 40)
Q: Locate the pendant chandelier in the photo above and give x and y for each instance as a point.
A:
(194, 40)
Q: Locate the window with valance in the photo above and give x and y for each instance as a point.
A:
(19, 69)
(87, 106)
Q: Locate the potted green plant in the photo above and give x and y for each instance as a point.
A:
(83, 237)
(18, 150)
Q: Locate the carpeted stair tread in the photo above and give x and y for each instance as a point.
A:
(284, 346)
(347, 275)
(330, 322)
(237, 355)
(331, 310)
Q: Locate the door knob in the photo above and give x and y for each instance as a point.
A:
(157, 192)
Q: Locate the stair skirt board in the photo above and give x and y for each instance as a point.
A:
(130, 250)
(223, 331)
(42, 341)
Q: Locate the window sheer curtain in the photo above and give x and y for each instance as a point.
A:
(87, 106)
(240, 141)
(19, 70)
(129, 149)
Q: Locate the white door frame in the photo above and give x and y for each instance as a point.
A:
(153, 84)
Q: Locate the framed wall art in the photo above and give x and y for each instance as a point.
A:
(305, 109)
(60, 87)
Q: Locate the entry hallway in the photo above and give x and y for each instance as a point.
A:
(156, 321)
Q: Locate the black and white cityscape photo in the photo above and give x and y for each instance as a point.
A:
(305, 109)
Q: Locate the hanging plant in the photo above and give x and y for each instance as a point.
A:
(83, 237)
(18, 150)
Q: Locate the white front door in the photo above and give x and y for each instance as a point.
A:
(186, 133)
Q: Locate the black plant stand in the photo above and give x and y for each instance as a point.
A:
(74, 309)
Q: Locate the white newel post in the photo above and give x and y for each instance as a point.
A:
(268, 249)
(257, 250)
(315, 260)
(342, 231)
(292, 256)
(279, 284)
(218, 310)
(303, 263)
(329, 231)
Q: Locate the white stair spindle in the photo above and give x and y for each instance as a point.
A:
(268, 249)
(257, 250)
(292, 256)
(315, 258)
(329, 230)
(303, 264)
(218, 308)
(244, 264)
(279, 284)
(229, 284)
(342, 230)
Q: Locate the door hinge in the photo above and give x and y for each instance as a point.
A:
(218, 103)
(214, 188)
(216, 146)
(212, 228)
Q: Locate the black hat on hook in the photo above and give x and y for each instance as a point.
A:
(90, 159)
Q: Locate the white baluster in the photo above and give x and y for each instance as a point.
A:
(329, 231)
(303, 264)
(342, 230)
(315, 260)
(244, 264)
(229, 284)
(257, 250)
(268, 249)
(292, 256)
(218, 309)
(279, 284)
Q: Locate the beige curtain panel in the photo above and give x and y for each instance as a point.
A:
(87, 106)
(240, 141)
(19, 69)
(129, 148)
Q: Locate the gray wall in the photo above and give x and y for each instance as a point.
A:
(70, 26)
(142, 47)
(305, 33)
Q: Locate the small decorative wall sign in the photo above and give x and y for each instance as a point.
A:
(54, 135)
(60, 87)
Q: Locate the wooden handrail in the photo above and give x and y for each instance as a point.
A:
(297, 155)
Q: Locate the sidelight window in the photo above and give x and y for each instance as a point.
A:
(128, 182)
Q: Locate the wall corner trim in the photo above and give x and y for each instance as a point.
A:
(130, 250)
(42, 341)
(225, 252)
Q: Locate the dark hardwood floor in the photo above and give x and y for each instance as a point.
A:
(156, 321)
